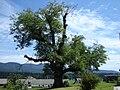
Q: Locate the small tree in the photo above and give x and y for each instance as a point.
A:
(89, 80)
(14, 83)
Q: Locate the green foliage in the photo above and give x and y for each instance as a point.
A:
(111, 78)
(118, 81)
(89, 80)
(79, 56)
(47, 72)
(67, 76)
(101, 86)
(46, 29)
(105, 86)
(13, 77)
(14, 83)
(10, 85)
(75, 52)
(66, 83)
(97, 56)
(40, 26)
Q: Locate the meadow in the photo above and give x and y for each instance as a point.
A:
(101, 86)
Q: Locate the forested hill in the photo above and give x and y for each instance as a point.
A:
(37, 68)
(16, 67)
(107, 72)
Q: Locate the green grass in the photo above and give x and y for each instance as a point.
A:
(101, 86)
(67, 88)
(105, 86)
(64, 88)
(1, 88)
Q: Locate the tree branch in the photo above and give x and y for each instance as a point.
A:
(35, 60)
(42, 39)
(64, 21)
(49, 20)
(63, 35)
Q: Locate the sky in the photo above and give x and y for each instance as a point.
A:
(97, 20)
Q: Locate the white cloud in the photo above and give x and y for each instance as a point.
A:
(84, 20)
(115, 9)
(110, 66)
(115, 58)
(7, 8)
(4, 24)
(110, 42)
(12, 58)
(5, 30)
(17, 58)
(94, 27)
(112, 52)
(113, 63)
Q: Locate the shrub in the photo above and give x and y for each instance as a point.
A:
(118, 81)
(89, 80)
(111, 78)
(66, 76)
(14, 83)
(66, 83)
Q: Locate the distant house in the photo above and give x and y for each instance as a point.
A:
(3, 82)
(33, 82)
(39, 82)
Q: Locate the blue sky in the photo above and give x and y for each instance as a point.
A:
(97, 20)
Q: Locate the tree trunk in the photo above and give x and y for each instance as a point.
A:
(58, 73)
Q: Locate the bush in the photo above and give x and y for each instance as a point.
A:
(118, 81)
(111, 78)
(89, 80)
(66, 84)
(66, 76)
(14, 83)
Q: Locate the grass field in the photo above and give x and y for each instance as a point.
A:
(67, 88)
(101, 86)
(105, 86)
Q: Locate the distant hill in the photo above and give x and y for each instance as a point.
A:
(107, 72)
(16, 67)
(33, 68)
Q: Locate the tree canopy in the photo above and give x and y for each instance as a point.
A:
(47, 28)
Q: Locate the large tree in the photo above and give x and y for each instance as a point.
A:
(46, 29)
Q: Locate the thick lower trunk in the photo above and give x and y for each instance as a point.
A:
(58, 82)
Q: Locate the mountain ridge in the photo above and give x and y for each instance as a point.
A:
(37, 68)
(17, 67)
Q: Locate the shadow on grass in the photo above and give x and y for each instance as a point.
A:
(44, 88)
(50, 88)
